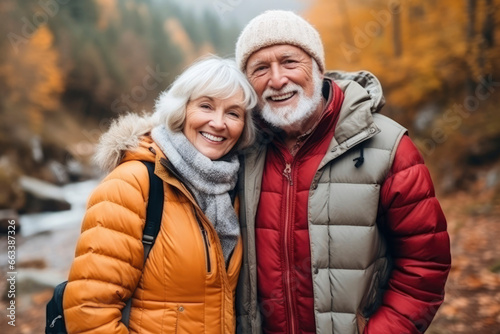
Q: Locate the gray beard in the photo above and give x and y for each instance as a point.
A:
(285, 117)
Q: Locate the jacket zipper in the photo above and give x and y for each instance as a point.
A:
(287, 172)
(206, 243)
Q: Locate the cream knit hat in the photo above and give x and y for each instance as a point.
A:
(275, 27)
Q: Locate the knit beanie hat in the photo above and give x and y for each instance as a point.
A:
(275, 27)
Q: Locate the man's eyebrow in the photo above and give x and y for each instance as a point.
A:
(256, 63)
(284, 55)
(288, 55)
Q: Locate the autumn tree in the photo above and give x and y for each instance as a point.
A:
(33, 80)
(417, 48)
(93, 59)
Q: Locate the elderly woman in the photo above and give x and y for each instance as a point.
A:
(188, 282)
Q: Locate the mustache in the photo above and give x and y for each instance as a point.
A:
(289, 88)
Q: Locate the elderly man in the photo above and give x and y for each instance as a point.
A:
(342, 231)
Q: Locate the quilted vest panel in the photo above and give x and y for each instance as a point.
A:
(349, 262)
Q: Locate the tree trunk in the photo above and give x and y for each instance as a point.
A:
(486, 41)
(489, 24)
(471, 20)
(346, 23)
(470, 33)
(396, 33)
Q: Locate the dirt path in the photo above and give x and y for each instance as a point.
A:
(472, 302)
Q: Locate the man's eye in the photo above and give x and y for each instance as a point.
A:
(259, 69)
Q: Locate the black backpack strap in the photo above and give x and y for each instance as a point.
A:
(154, 212)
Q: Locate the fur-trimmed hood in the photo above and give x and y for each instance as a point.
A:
(124, 136)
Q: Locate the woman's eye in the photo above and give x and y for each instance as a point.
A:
(206, 106)
(234, 114)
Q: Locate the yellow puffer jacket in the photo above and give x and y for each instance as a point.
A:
(184, 286)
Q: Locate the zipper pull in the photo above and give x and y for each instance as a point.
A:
(288, 173)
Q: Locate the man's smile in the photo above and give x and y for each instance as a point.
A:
(282, 97)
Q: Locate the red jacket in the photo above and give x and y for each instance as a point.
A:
(284, 280)
(282, 220)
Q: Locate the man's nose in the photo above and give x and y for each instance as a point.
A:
(277, 79)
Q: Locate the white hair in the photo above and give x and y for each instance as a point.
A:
(210, 76)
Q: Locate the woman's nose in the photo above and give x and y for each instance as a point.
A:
(217, 121)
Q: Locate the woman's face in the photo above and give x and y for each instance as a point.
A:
(214, 125)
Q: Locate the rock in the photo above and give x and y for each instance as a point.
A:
(448, 183)
(35, 204)
(34, 280)
(75, 169)
(7, 216)
(37, 263)
(36, 148)
(492, 178)
(484, 152)
(42, 196)
(11, 195)
(41, 188)
(59, 171)
(425, 117)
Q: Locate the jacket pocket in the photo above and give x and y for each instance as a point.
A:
(190, 318)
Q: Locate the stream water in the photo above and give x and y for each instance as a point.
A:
(49, 238)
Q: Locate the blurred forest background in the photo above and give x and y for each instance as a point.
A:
(68, 68)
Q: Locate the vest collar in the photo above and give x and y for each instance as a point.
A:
(355, 123)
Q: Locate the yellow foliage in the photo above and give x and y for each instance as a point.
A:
(107, 13)
(49, 81)
(432, 38)
(33, 78)
(143, 11)
(179, 36)
(206, 48)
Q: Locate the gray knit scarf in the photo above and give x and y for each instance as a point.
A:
(209, 181)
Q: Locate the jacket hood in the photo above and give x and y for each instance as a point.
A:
(124, 136)
(367, 81)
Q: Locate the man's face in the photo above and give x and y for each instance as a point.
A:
(287, 82)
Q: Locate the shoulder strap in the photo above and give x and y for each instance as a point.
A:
(154, 212)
